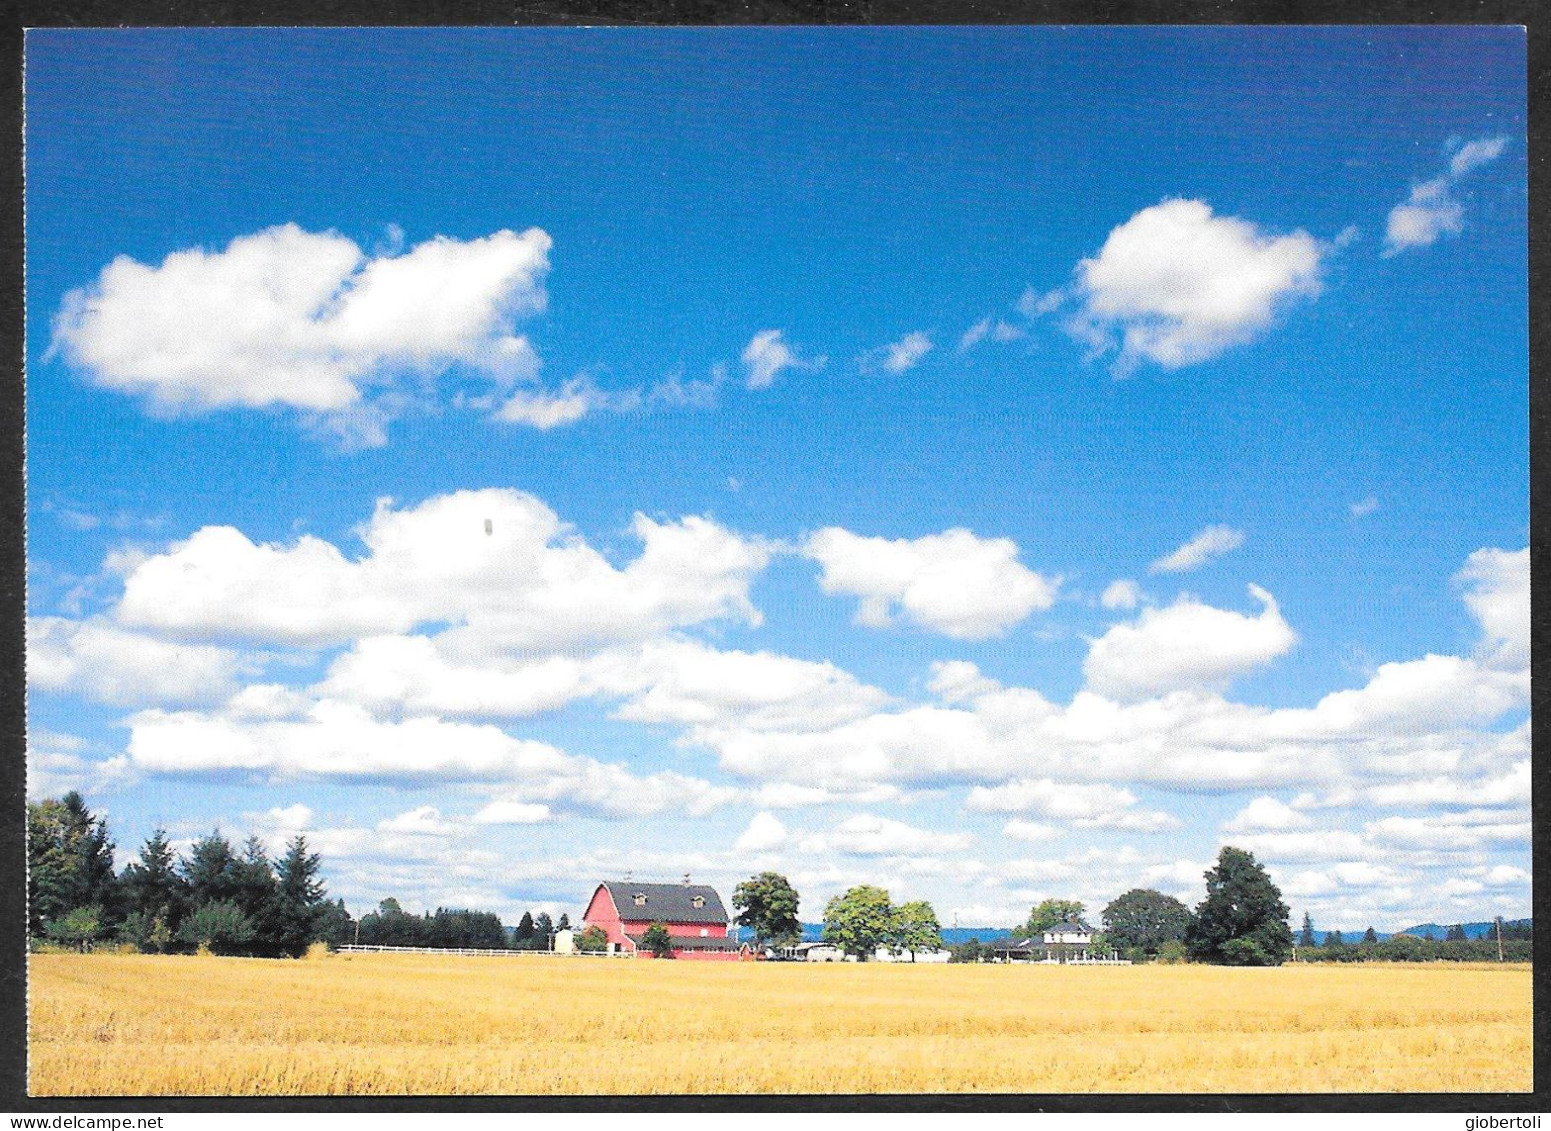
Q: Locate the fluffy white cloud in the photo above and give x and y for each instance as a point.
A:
(336, 740)
(965, 587)
(1266, 814)
(104, 662)
(1212, 542)
(513, 813)
(1497, 594)
(1364, 507)
(410, 674)
(767, 354)
(1050, 798)
(545, 410)
(339, 741)
(897, 357)
(1179, 285)
(424, 820)
(1294, 847)
(1185, 645)
(1122, 594)
(1019, 829)
(680, 681)
(305, 320)
(1472, 829)
(765, 832)
(59, 762)
(498, 563)
(955, 681)
(869, 835)
(1512, 788)
(1431, 210)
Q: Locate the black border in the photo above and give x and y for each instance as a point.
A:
(563, 13)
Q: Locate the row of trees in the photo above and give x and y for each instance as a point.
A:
(1241, 922)
(860, 921)
(456, 928)
(224, 900)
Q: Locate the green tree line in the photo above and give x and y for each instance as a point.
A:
(225, 900)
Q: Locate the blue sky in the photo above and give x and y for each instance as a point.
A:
(994, 463)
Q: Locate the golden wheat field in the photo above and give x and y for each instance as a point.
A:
(375, 1024)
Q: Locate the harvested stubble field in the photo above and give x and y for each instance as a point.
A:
(376, 1024)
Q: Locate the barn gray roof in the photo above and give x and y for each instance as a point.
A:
(670, 903)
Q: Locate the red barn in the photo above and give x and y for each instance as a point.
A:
(693, 914)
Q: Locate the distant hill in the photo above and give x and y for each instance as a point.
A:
(1472, 930)
(1437, 931)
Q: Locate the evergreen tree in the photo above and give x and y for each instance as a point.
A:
(335, 926)
(543, 931)
(1242, 907)
(522, 937)
(1370, 936)
(1333, 939)
(1306, 936)
(298, 899)
(152, 889)
(563, 923)
(211, 871)
(154, 896)
(254, 891)
(69, 863)
(1455, 933)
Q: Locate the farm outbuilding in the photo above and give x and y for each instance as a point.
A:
(693, 914)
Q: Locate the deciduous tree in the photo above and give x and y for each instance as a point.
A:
(1048, 913)
(859, 921)
(658, 941)
(1241, 903)
(916, 928)
(767, 905)
(1145, 918)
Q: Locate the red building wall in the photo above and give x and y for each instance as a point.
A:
(601, 912)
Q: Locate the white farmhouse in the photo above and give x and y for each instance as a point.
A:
(1069, 931)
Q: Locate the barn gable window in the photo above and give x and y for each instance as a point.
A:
(640, 899)
(698, 901)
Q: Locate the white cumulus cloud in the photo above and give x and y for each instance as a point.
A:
(1186, 645)
(955, 583)
(104, 662)
(1177, 285)
(765, 832)
(308, 321)
(497, 563)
